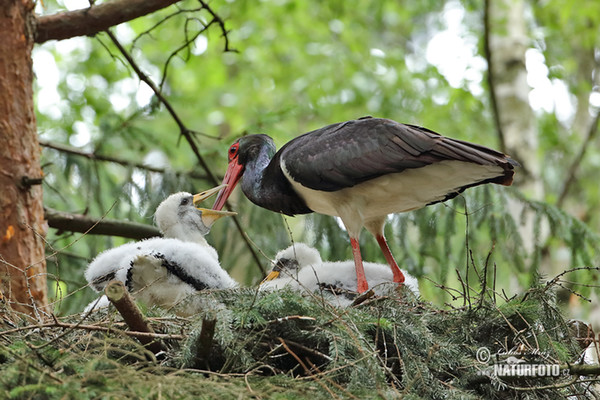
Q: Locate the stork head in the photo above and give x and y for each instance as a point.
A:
(242, 152)
(178, 216)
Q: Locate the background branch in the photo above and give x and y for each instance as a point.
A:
(218, 20)
(89, 21)
(592, 132)
(487, 32)
(64, 221)
(127, 163)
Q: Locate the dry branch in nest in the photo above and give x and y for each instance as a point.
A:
(120, 298)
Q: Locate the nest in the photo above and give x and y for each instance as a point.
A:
(244, 343)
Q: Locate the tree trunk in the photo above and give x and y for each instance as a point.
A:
(508, 41)
(22, 225)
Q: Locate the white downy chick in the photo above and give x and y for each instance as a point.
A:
(182, 224)
(172, 271)
(300, 267)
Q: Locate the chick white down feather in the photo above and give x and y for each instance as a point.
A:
(308, 273)
(162, 271)
(173, 270)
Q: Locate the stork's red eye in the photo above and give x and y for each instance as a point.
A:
(233, 150)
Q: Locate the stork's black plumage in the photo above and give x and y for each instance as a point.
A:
(361, 170)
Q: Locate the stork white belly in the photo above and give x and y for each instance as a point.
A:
(408, 190)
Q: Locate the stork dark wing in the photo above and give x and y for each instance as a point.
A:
(345, 154)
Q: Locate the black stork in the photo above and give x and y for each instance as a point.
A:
(360, 170)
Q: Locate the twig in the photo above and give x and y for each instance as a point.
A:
(465, 289)
(487, 33)
(331, 382)
(162, 21)
(570, 382)
(582, 369)
(118, 295)
(306, 369)
(363, 297)
(221, 25)
(468, 250)
(58, 324)
(252, 392)
(555, 280)
(185, 45)
(484, 276)
(591, 134)
(127, 163)
(290, 318)
(309, 350)
(184, 131)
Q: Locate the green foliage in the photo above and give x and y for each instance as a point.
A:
(299, 66)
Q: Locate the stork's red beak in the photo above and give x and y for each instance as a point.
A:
(232, 177)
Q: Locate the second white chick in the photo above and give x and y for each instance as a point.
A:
(300, 267)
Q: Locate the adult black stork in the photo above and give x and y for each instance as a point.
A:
(361, 171)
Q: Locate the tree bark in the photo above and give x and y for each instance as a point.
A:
(22, 225)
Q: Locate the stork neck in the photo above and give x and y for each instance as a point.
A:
(253, 181)
(264, 183)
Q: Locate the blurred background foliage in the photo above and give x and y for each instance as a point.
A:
(298, 66)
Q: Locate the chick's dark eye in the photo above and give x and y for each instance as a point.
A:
(185, 201)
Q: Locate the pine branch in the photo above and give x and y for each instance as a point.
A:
(89, 21)
(64, 221)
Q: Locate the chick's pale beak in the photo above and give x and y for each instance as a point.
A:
(200, 197)
(272, 275)
(209, 217)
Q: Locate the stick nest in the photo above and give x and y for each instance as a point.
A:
(243, 343)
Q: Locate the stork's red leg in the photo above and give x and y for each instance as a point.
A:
(361, 280)
(398, 275)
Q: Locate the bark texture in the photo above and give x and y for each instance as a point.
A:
(22, 225)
